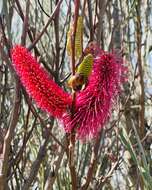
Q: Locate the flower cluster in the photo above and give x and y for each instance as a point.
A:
(46, 93)
(94, 103)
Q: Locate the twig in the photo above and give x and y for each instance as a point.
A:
(93, 162)
(36, 164)
(41, 120)
(120, 113)
(67, 21)
(9, 135)
(102, 6)
(104, 179)
(25, 24)
(72, 134)
(142, 96)
(4, 36)
(31, 37)
(95, 15)
(90, 20)
(51, 179)
(57, 43)
(47, 24)
(18, 157)
(43, 9)
(29, 32)
(13, 122)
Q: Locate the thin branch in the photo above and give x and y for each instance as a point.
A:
(93, 162)
(33, 110)
(102, 6)
(43, 9)
(142, 96)
(36, 164)
(31, 38)
(4, 36)
(57, 43)
(90, 20)
(55, 12)
(56, 165)
(18, 157)
(13, 120)
(72, 134)
(10, 135)
(25, 24)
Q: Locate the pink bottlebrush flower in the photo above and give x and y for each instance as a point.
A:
(94, 103)
(47, 94)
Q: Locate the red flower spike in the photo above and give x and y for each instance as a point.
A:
(94, 103)
(46, 93)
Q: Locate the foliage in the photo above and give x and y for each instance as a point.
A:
(35, 152)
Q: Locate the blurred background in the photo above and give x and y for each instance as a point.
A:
(32, 143)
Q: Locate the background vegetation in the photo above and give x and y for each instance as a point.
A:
(33, 148)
